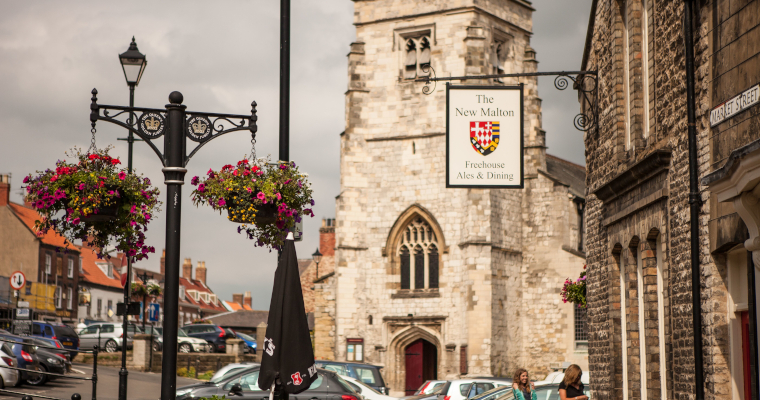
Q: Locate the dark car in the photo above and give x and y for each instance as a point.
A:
(214, 335)
(26, 356)
(52, 346)
(367, 373)
(64, 334)
(49, 362)
(245, 386)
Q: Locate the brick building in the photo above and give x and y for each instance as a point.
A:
(458, 282)
(641, 342)
(45, 260)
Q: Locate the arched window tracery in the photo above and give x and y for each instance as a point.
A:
(419, 256)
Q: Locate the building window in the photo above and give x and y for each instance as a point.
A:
(354, 349)
(581, 326)
(645, 63)
(48, 263)
(58, 293)
(69, 297)
(70, 273)
(419, 240)
(417, 56)
(59, 266)
(80, 266)
(109, 313)
(463, 360)
(100, 307)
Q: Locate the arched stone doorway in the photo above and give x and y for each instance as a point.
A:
(421, 362)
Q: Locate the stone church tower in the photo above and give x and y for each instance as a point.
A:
(436, 283)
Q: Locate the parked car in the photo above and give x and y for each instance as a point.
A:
(49, 362)
(245, 385)
(462, 389)
(53, 346)
(368, 392)
(429, 387)
(9, 377)
(188, 344)
(214, 335)
(158, 337)
(26, 356)
(494, 393)
(367, 373)
(550, 391)
(558, 376)
(64, 334)
(250, 342)
(107, 336)
(230, 369)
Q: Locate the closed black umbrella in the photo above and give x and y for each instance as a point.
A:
(287, 358)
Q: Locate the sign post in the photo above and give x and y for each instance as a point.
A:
(484, 137)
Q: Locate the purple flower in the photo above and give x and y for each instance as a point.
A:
(312, 201)
(222, 203)
(147, 181)
(202, 187)
(283, 166)
(26, 179)
(194, 181)
(300, 185)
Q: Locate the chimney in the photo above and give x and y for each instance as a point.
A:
(200, 272)
(327, 237)
(237, 298)
(5, 190)
(163, 262)
(247, 299)
(187, 269)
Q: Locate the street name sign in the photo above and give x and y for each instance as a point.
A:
(484, 137)
(735, 105)
(18, 280)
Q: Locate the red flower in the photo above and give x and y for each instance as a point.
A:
(226, 167)
(115, 161)
(54, 178)
(94, 157)
(243, 161)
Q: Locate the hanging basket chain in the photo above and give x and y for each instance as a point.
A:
(92, 148)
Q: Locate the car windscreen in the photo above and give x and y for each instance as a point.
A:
(61, 331)
(181, 333)
(230, 372)
(246, 337)
(7, 349)
(133, 329)
(370, 376)
(338, 369)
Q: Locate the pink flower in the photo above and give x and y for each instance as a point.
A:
(133, 209)
(26, 179)
(75, 221)
(122, 175)
(147, 217)
(194, 181)
(248, 190)
(54, 178)
(279, 197)
(133, 223)
(222, 203)
(81, 186)
(261, 196)
(202, 187)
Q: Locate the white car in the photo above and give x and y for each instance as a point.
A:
(7, 359)
(558, 376)
(365, 390)
(189, 344)
(462, 389)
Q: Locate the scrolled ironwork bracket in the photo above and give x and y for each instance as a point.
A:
(219, 124)
(585, 82)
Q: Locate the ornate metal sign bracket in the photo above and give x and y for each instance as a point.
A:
(585, 82)
(151, 123)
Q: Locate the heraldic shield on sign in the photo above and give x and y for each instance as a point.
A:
(484, 136)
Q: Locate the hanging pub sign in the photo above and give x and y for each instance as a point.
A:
(484, 137)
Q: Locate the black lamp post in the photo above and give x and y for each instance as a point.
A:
(133, 64)
(177, 125)
(317, 257)
(144, 278)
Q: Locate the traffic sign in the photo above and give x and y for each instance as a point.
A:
(153, 311)
(18, 280)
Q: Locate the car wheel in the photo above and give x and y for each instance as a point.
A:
(210, 347)
(37, 379)
(185, 348)
(111, 346)
(155, 346)
(2, 383)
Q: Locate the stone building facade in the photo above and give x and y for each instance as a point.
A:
(462, 282)
(640, 310)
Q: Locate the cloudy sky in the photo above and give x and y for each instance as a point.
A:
(221, 56)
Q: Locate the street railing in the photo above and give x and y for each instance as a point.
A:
(75, 396)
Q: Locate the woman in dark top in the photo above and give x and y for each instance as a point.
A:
(571, 387)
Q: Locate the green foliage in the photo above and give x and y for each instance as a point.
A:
(154, 289)
(138, 289)
(254, 190)
(575, 292)
(206, 375)
(188, 373)
(214, 397)
(67, 196)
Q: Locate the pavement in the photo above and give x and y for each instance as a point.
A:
(140, 385)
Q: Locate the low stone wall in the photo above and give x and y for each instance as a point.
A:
(104, 359)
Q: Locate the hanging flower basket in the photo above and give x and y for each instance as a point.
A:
(96, 202)
(139, 290)
(266, 199)
(154, 289)
(575, 292)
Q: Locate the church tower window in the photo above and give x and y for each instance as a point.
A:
(418, 256)
(417, 57)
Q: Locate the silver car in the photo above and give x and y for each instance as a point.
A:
(107, 336)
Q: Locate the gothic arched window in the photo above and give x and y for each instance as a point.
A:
(418, 255)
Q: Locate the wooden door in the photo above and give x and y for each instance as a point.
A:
(414, 363)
